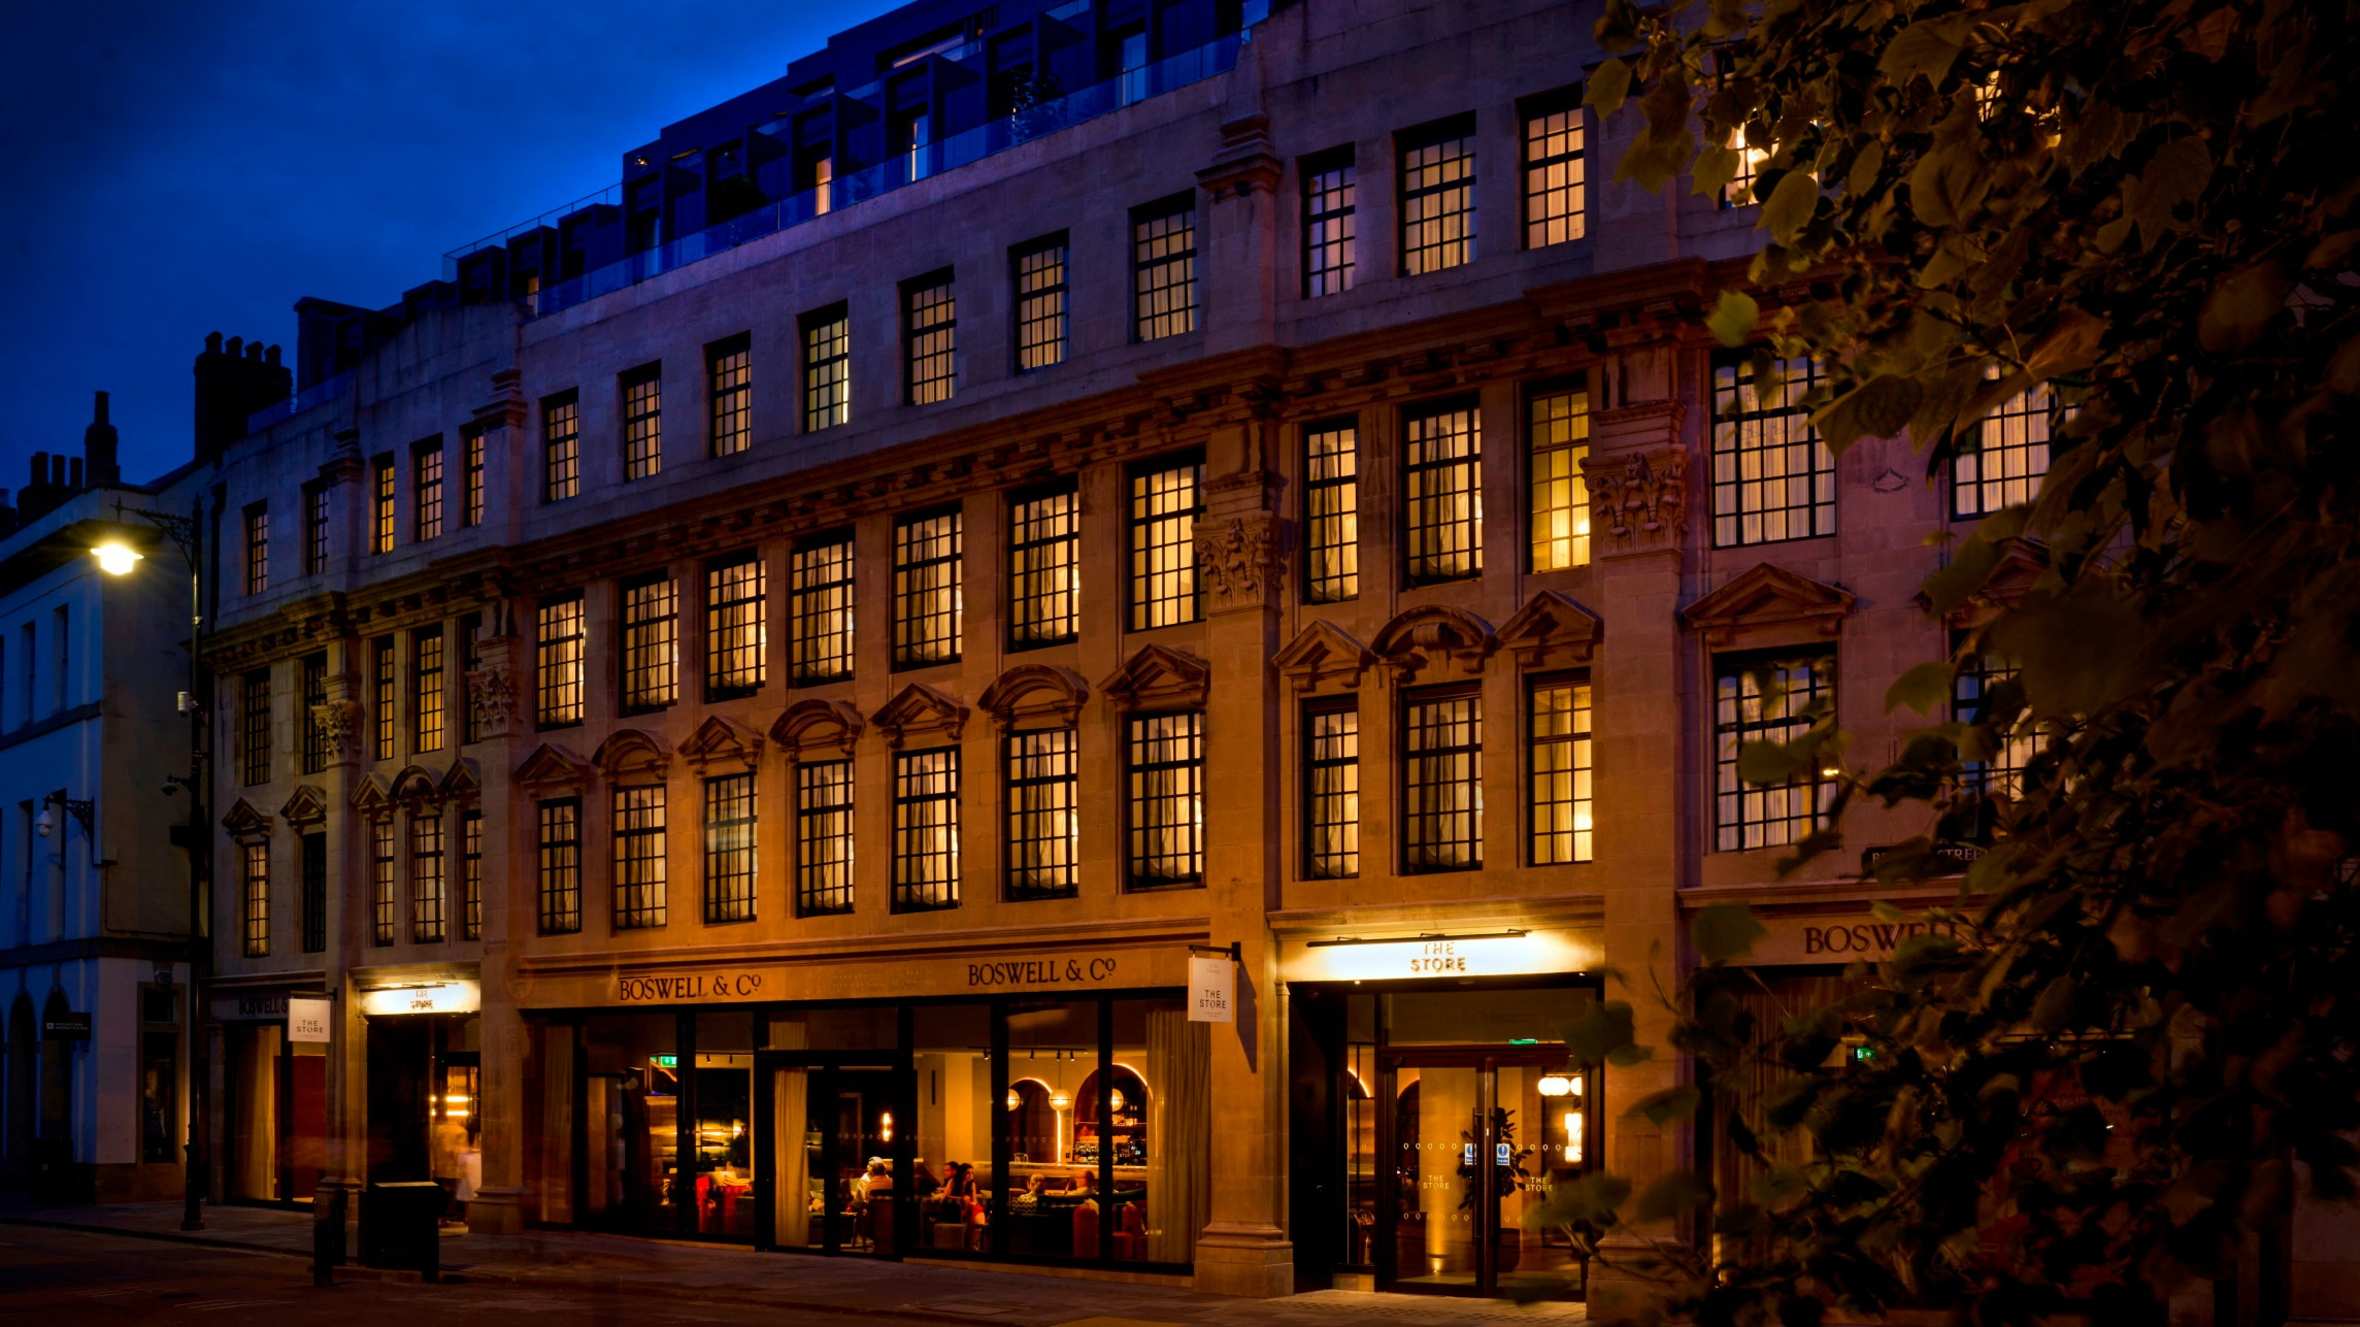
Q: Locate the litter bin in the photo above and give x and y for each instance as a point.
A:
(398, 1225)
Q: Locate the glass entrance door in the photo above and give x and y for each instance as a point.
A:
(1471, 1141)
(834, 1141)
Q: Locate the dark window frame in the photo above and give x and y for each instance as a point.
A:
(257, 531)
(815, 577)
(1579, 742)
(1039, 282)
(639, 828)
(429, 877)
(1731, 730)
(1041, 780)
(825, 337)
(1151, 529)
(1164, 288)
(648, 607)
(1317, 798)
(824, 795)
(1537, 158)
(731, 873)
(430, 728)
(557, 864)
(560, 649)
(1732, 423)
(1434, 148)
(913, 794)
(1331, 499)
(1035, 559)
(911, 587)
(427, 467)
(561, 446)
(1141, 819)
(1423, 852)
(737, 625)
(1331, 226)
(254, 702)
(1419, 565)
(639, 394)
(930, 339)
(729, 395)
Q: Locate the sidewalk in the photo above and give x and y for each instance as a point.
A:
(917, 1290)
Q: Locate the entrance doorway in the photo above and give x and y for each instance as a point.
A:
(836, 1136)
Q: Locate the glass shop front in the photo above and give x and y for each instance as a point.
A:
(1064, 1128)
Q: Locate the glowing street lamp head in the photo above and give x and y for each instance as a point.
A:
(116, 558)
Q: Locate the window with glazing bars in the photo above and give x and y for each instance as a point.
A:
(729, 395)
(1331, 512)
(1331, 790)
(427, 718)
(819, 609)
(257, 898)
(1773, 479)
(1330, 233)
(1739, 191)
(823, 838)
(1044, 818)
(315, 694)
(381, 506)
(651, 642)
(561, 448)
(558, 864)
(381, 901)
(1040, 304)
(1766, 698)
(1438, 197)
(643, 423)
(254, 737)
(827, 369)
(1442, 507)
(471, 875)
(315, 530)
(426, 480)
(927, 593)
(1556, 438)
(639, 856)
(729, 848)
(2000, 772)
(428, 889)
(930, 339)
(315, 892)
(1166, 497)
(1163, 270)
(471, 478)
(737, 630)
(925, 829)
(383, 684)
(1555, 175)
(257, 548)
(1044, 566)
(1164, 787)
(1557, 770)
(2009, 457)
(557, 662)
(1442, 782)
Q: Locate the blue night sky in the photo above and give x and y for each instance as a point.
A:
(182, 168)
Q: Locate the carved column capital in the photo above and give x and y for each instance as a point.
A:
(1239, 560)
(491, 688)
(1638, 500)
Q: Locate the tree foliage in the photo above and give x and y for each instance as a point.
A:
(2145, 1043)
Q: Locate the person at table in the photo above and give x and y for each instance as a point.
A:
(961, 1184)
(1033, 1188)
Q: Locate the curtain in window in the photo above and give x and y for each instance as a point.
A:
(790, 1160)
(1179, 1128)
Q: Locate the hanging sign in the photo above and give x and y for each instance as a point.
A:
(307, 1019)
(1212, 990)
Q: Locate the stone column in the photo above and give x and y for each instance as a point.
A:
(500, 1034)
(1237, 242)
(1639, 516)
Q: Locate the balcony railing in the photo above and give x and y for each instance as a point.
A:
(318, 394)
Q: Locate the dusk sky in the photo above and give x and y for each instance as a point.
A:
(180, 169)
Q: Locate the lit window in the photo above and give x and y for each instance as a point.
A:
(1166, 497)
(558, 864)
(254, 741)
(471, 875)
(736, 631)
(820, 610)
(315, 530)
(1557, 768)
(925, 829)
(1040, 305)
(257, 548)
(823, 838)
(926, 589)
(558, 648)
(1758, 698)
(1331, 512)
(643, 423)
(651, 642)
(561, 448)
(381, 901)
(426, 478)
(1331, 790)
(1164, 774)
(427, 891)
(381, 507)
(827, 370)
(1554, 172)
(729, 391)
(1330, 243)
(2001, 772)
(2009, 456)
(729, 848)
(382, 695)
(1557, 436)
(1438, 198)
(1442, 782)
(639, 856)
(471, 500)
(315, 695)
(1163, 270)
(1442, 463)
(1044, 818)
(257, 898)
(426, 689)
(930, 339)
(1044, 567)
(1773, 479)
(1739, 191)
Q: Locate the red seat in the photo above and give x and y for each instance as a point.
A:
(1085, 1230)
(1130, 1239)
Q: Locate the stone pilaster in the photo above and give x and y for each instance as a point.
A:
(1237, 240)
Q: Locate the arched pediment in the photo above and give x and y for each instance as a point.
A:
(463, 780)
(552, 766)
(1432, 641)
(244, 822)
(416, 783)
(1552, 629)
(1030, 691)
(825, 728)
(307, 805)
(918, 710)
(1156, 677)
(1765, 597)
(629, 751)
(1322, 652)
(724, 742)
(371, 794)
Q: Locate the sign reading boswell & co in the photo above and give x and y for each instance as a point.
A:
(1002, 972)
(675, 987)
(1847, 938)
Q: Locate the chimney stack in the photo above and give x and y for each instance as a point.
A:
(99, 446)
(234, 380)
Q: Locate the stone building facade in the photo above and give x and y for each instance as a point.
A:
(731, 717)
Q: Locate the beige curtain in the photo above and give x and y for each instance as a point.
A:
(790, 1160)
(1179, 1127)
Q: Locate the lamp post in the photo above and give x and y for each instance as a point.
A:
(117, 558)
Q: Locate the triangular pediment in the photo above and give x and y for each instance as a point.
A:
(2020, 564)
(818, 728)
(920, 710)
(463, 780)
(1031, 691)
(1322, 653)
(371, 794)
(1765, 597)
(416, 783)
(1156, 677)
(722, 741)
(244, 821)
(307, 805)
(1552, 629)
(552, 766)
(1433, 641)
(631, 751)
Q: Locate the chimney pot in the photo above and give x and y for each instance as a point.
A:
(98, 414)
(74, 473)
(212, 343)
(234, 347)
(271, 356)
(40, 470)
(254, 351)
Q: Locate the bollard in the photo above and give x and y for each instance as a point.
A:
(327, 1233)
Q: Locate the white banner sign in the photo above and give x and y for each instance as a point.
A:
(1212, 990)
(307, 1020)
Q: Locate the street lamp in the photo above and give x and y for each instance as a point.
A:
(118, 558)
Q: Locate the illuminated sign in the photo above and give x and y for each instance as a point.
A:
(308, 1019)
(1212, 990)
(446, 997)
(1411, 958)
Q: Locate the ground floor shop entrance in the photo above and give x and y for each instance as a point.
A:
(832, 1137)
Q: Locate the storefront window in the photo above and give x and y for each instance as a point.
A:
(724, 1107)
(630, 1125)
(1158, 1127)
(952, 1065)
(1053, 1207)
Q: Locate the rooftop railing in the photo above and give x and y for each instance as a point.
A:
(318, 394)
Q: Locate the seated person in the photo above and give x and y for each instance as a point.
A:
(1084, 1186)
(1034, 1187)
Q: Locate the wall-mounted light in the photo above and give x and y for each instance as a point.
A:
(1015, 1099)
(117, 558)
(885, 1126)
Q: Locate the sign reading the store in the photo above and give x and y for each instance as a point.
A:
(307, 1019)
(996, 973)
(1212, 989)
(675, 987)
(1795, 941)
